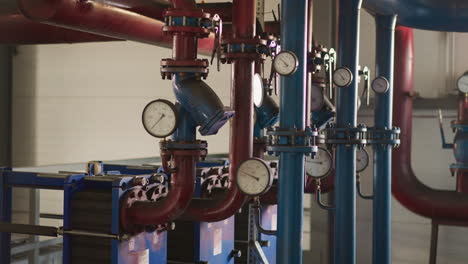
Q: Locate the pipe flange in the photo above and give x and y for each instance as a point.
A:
(384, 137)
(169, 145)
(199, 67)
(347, 136)
(187, 21)
(292, 140)
(253, 49)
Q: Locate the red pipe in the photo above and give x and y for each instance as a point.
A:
(16, 29)
(173, 205)
(241, 125)
(463, 109)
(407, 189)
(102, 19)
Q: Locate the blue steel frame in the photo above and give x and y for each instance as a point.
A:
(346, 115)
(382, 228)
(292, 115)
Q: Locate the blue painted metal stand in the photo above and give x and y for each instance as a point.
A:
(5, 216)
(385, 38)
(292, 115)
(346, 115)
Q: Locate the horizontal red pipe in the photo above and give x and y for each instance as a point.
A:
(102, 19)
(173, 205)
(16, 29)
(407, 189)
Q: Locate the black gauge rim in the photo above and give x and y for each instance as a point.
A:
(329, 169)
(270, 177)
(174, 109)
(367, 165)
(350, 75)
(295, 66)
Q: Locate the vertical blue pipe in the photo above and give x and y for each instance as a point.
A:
(385, 38)
(346, 115)
(292, 115)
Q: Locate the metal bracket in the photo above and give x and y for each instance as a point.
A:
(292, 140)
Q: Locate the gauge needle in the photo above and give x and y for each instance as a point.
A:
(285, 64)
(252, 176)
(157, 121)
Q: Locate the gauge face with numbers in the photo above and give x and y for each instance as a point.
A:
(160, 118)
(462, 83)
(362, 160)
(285, 63)
(342, 77)
(316, 100)
(380, 85)
(254, 177)
(319, 166)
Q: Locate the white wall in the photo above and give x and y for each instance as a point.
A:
(80, 102)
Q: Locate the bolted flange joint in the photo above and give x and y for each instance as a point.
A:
(292, 140)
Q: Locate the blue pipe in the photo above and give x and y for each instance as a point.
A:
(346, 115)
(292, 115)
(381, 236)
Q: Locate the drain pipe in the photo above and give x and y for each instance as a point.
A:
(449, 207)
(346, 117)
(381, 235)
(241, 139)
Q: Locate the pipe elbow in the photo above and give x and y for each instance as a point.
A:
(267, 113)
(205, 107)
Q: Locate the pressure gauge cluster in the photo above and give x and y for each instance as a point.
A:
(319, 166)
(285, 63)
(380, 85)
(160, 118)
(254, 177)
(462, 83)
(362, 160)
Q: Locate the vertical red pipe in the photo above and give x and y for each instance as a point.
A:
(407, 189)
(241, 138)
(463, 109)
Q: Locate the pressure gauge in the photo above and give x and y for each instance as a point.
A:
(380, 85)
(254, 177)
(321, 165)
(362, 160)
(342, 77)
(160, 118)
(317, 100)
(462, 83)
(257, 90)
(285, 63)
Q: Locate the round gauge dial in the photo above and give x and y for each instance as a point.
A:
(380, 85)
(317, 100)
(285, 63)
(254, 177)
(342, 77)
(257, 90)
(462, 83)
(160, 118)
(362, 160)
(319, 166)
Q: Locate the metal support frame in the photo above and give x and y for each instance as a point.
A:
(346, 116)
(292, 116)
(382, 227)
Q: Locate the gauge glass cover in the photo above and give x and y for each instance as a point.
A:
(254, 177)
(380, 85)
(160, 118)
(342, 77)
(317, 101)
(462, 84)
(257, 90)
(285, 63)
(362, 160)
(319, 166)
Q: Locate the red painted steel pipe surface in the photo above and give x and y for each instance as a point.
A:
(101, 19)
(407, 189)
(173, 205)
(241, 142)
